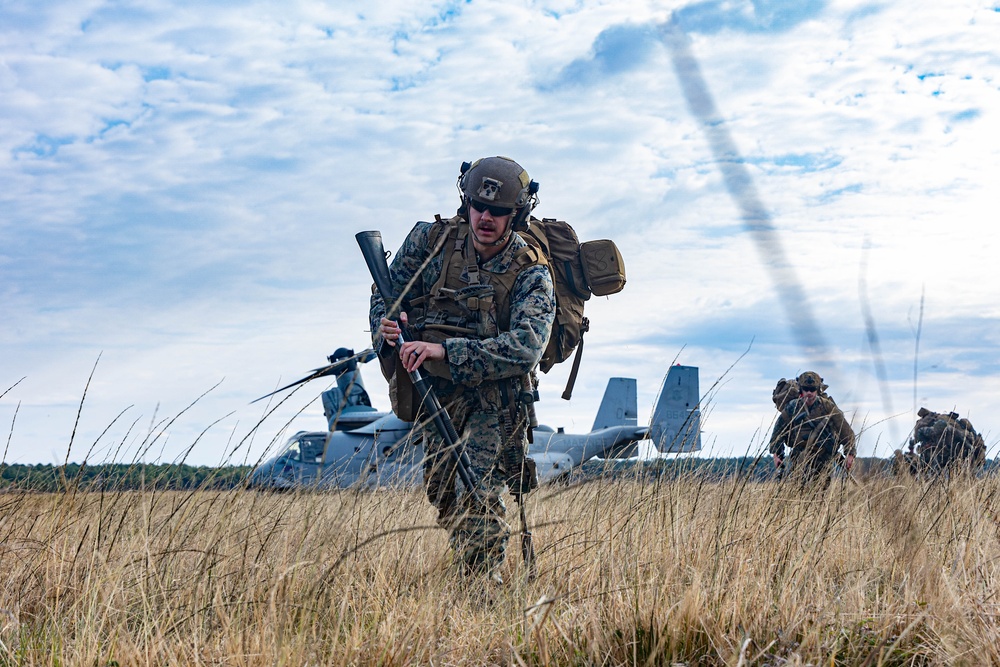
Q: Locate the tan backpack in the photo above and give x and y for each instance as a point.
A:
(784, 393)
(578, 270)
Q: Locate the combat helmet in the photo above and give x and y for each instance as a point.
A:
(810, 381)
(500, 183)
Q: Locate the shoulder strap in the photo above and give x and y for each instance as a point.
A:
(450, 233)
(523, 258)
(528, 256)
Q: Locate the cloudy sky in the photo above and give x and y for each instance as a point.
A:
(794, 185)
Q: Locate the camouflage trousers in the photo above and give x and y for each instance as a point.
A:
(478, 532)
(812, 466)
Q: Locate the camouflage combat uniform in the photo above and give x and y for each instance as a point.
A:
(814, 433)
(944, 441)
(483, 373)
(905, 463)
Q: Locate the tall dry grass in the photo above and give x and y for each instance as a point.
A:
(688, 571)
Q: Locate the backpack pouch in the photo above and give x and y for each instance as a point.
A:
(603, 267)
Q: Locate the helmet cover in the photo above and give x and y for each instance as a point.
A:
(496, 181)
(810, 380)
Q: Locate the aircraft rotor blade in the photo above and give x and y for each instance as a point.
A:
(740, 185)
(364, 356)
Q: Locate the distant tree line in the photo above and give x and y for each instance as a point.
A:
(757, 469)
(46, 477)
(711, 469)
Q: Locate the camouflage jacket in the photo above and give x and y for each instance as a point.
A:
(512, 353)
(821, 425)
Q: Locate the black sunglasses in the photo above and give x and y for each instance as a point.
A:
(810, 389)
(495, 211)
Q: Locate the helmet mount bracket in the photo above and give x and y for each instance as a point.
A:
(498, 181)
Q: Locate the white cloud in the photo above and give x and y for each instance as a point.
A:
(185, 181)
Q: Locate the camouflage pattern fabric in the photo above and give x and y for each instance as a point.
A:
(907, 463)
(814, 434)
(944, 442)
(473, 396)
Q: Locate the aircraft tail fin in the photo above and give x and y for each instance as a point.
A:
(676, 424)
(619, 407)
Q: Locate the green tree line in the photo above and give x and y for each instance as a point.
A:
(758, 469)
(46, 477)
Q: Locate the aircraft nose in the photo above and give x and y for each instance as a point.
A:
(262, 475)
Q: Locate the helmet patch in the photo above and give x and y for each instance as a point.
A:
(490, 189)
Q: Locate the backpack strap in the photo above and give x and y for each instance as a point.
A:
(453, 228)
(571, 381)
(523, 258)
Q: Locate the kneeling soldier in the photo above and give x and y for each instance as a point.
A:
(814, 428)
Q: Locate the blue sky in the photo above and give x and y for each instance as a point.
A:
(183, 181)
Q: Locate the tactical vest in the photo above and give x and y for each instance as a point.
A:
(577, 271)
(465, 301)
(809, 431)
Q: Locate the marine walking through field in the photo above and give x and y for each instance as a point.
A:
(474, 301)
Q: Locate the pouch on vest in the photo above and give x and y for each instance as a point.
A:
(439, 369)
(402, 393)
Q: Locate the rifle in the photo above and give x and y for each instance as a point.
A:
(375, 258)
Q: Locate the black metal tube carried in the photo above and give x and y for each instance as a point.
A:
(375, 258)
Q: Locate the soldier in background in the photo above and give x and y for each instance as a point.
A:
(812, 427)
(905, 464)
(946, 442)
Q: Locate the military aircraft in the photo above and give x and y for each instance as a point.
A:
(364, 448)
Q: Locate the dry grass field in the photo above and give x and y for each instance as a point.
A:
(885, 572)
